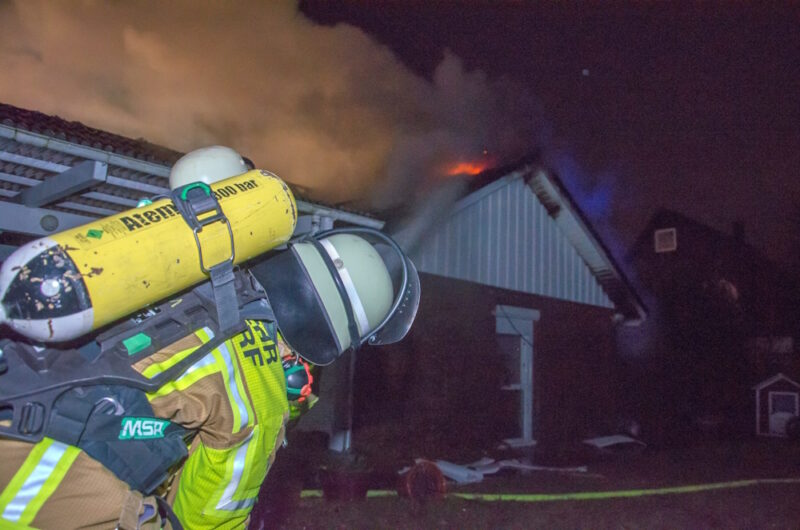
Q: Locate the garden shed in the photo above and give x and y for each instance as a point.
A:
(777, 402)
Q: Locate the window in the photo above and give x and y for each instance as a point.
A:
(783, 402)
(665, 240)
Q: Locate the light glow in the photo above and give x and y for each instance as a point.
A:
(466, 168)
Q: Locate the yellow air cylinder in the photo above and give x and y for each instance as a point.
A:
(60, 287)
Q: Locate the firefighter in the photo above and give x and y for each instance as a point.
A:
(329, 294)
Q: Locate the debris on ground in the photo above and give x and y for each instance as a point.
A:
(616, 443)
(476, 471)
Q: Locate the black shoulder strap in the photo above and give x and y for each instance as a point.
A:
(199, 208)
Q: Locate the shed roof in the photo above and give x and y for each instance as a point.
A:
(774, 379)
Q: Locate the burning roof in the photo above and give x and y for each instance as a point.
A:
(454, 195)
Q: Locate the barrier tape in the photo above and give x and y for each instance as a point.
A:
(586, 495)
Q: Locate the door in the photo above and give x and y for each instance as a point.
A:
(514, 327)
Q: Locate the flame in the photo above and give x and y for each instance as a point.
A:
(466, 168)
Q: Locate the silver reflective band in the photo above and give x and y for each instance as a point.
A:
(202, 363)
(33, 484)
(237, 398)
(226, 502)
(205, 361)
(349, 286)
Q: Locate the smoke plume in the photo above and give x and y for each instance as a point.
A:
(325, 107)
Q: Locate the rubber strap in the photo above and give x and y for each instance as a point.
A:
(167, 513)
(224, 287)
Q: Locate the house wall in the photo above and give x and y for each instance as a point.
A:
(763, 293)
(443, 381)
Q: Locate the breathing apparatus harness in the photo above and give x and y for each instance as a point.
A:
(88, 396)
(199, 208)
(91, 397)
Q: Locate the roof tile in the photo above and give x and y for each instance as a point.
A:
(77, 132)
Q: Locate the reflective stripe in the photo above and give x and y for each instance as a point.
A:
(217, 360)
(206, 366)
(349, 286)
(198, 370)
(233, 389)
(208, 360)
(205, 334)
(226, 502)
(41, 481)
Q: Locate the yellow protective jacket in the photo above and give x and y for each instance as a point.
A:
(233, 399)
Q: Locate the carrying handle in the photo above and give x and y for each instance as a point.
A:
(202, 185)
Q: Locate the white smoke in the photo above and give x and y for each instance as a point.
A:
(325, 107)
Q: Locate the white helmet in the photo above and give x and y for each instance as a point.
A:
(207, 164)
(340, 289)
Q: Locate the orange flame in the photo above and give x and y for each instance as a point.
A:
(466, 168)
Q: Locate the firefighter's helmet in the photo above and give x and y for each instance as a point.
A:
(340, 289)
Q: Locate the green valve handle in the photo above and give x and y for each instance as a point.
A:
(137, 343)
(202, 185)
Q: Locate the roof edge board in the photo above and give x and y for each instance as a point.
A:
(338, 215)
(780, 376)
(487, 190)
(92, 153)
(564, 214)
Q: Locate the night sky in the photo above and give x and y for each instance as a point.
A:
(637, 106)
(694, 108)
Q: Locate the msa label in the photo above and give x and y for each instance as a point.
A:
(142, 428)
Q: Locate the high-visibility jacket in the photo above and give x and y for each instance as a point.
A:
(233, 399)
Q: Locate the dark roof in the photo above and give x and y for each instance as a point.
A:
(703, 253)
(666, 218)
(486, 177)
(77, 133)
